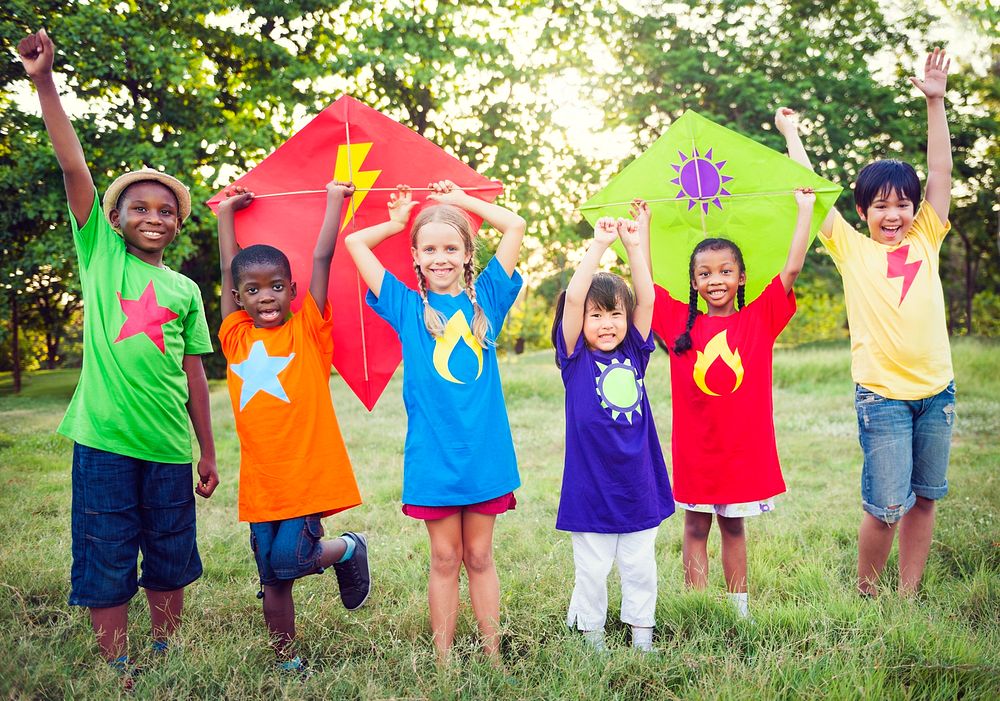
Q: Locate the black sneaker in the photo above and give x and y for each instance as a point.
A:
(354, 576)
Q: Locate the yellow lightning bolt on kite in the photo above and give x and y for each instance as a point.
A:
(348, 168)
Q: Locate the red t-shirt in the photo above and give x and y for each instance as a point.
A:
(723, 424)
(293, 461)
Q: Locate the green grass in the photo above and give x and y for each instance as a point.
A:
(812, 635)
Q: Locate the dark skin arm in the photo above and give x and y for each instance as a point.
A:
(201, 418)
(326, 243)
(237, 198)
(37, 52)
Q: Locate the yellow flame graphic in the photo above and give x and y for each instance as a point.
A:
(348, 167)
(457, 329)
(717, 348)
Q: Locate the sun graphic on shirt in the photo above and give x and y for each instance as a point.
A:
(619, 388)
(700, 179)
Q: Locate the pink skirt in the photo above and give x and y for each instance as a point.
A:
(498, 505)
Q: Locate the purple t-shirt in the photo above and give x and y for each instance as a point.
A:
(614, 478)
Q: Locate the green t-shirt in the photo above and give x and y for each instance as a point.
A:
(139, 322)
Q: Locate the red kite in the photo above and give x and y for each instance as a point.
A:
(347, 141)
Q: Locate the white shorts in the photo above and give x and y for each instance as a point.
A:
(740, 510)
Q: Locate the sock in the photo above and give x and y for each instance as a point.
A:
(349, 551)
(595, 638)
(741, 602)
(120, 665)
(159, 646)
(642, 638)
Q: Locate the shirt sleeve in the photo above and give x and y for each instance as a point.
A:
(841, 239)
(197, 339)
(928, 225)
(229, 332)
(391, 301)
(776, 307)
(561, 355)
(496, 292)
(96, 231)
(669, 316)
(638, 347)
(319, 326)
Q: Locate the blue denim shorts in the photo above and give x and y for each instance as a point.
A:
(287, 549)
(906, 444)
(123, 506)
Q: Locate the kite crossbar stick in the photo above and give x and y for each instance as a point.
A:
(602, 205)
(378, 189)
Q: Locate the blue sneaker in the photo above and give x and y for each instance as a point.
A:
(354, 576)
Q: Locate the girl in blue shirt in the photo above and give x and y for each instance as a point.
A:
(459, 468)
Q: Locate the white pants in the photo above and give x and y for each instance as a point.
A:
(593, 554)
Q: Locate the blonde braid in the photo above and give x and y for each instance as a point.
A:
(433, 319)
(480, 324)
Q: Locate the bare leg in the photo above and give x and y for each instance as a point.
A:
(279, 614)
(442, 585)
(165, 608)
(333, 550)
(484, 585)
(915, 530)
(695, 549)
(874, 543)
(111, 627)
(734, 553)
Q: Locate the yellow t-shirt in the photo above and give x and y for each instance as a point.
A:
(895, 307)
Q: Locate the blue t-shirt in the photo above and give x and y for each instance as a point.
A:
(614, 477)
(459, 449)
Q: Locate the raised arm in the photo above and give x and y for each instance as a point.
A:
(237, 198)
(37, 52)
(360, 244)
(336, 194)
(786, 120)
(933, 86)
(510, 225)
(805, 198)
(642, 278)
(639, 210)
(605, 232)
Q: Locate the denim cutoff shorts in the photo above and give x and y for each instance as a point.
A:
(287, 549)
(123, 506)
(906, 444)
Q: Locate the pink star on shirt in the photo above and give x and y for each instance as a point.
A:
(145, 315)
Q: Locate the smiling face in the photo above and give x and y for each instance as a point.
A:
(441, 255)
(889, 217)
(265, 292)
(148, 219)
(717, 276)
(604, 329)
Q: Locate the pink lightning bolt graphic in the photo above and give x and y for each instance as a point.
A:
(898, 267)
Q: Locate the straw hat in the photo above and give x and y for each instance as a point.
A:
(123, 181)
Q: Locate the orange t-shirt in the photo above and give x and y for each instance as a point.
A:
(293, 460)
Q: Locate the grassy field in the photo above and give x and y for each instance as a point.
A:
(812, 637)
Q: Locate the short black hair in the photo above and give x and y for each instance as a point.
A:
(880, 178)
(259, 255)
(606, 291)
(118, 202)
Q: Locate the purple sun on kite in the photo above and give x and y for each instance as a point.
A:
(700, 179)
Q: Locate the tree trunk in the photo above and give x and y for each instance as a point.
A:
(15, 351)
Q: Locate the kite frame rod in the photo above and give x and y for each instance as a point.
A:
(706, 199)
(377, 189)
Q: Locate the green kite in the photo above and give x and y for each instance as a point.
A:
(702, 180)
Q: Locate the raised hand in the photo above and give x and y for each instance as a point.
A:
(787, 121)
(36, 52)
(445, 192)
(628, 232)
(237, 198)
(935, 81)
(344, 188)
(606, 230)
(805, 197)
(401, 204)
(639, 211)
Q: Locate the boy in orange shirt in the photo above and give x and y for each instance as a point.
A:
(294, 467)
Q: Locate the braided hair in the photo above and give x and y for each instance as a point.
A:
(434, 320)
(682, 343)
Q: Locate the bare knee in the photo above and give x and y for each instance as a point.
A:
(446, 560)
(697, 525)
(478, 561)
(731, 527)
(923, 505)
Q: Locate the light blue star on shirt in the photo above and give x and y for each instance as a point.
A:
(259, 373)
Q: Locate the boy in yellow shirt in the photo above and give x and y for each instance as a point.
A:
(900, 354)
